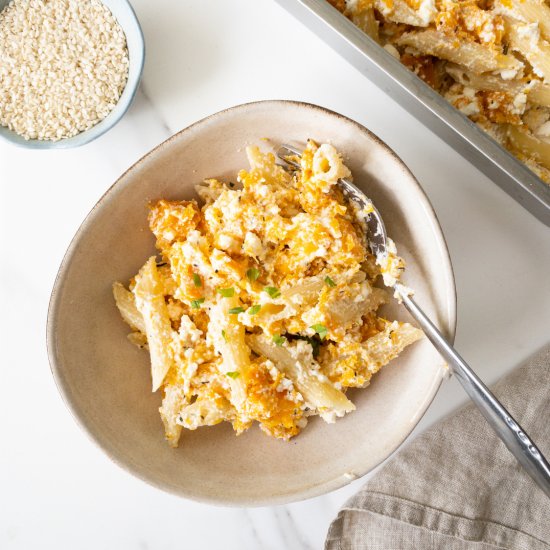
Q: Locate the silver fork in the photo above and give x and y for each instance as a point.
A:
(511, 433)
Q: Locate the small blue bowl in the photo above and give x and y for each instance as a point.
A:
(126, 17)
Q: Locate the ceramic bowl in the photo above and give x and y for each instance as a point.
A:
(105, 380)
(126, 17)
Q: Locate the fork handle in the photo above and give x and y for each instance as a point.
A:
(511, 433)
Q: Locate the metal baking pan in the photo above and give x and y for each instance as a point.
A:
(424, 103)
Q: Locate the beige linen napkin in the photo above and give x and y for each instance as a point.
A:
(456, 486)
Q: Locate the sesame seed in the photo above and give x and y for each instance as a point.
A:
(64, 64)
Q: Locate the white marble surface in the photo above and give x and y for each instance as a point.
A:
(57, 490)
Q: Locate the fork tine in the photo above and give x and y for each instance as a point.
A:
(285, 151)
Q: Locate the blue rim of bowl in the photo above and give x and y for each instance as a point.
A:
(137, 59)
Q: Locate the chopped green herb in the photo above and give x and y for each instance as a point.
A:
(329, 282)
(252, 274)
(279, 340)
(197, 281)
(233, 374)
(321, 330)
(273, 291)
(227, 292)
(224, 335)
(254, 309)
(196, 304)
(235, 310)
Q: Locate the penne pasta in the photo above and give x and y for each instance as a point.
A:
(525, 40)
(388, 344)
(349, 310)
(528, 11)
(365, 19)
(173, 402)
(126, 304)
(355, 366)
(530, 146)
(319, 393)
(475, 57)
(203, 412)
(227, 335)
(539, 94)
(485, 81)
(139, 340)
(158, 329)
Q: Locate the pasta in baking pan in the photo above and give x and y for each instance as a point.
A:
(264, 304)
(489, 58)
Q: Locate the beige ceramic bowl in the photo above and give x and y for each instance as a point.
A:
(105, 380)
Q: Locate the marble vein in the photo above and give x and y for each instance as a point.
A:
(289, 530)
(151, 104)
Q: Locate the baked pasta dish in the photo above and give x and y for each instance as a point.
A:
(263, 304)
(488, 58)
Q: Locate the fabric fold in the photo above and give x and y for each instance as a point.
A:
(456, 486)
